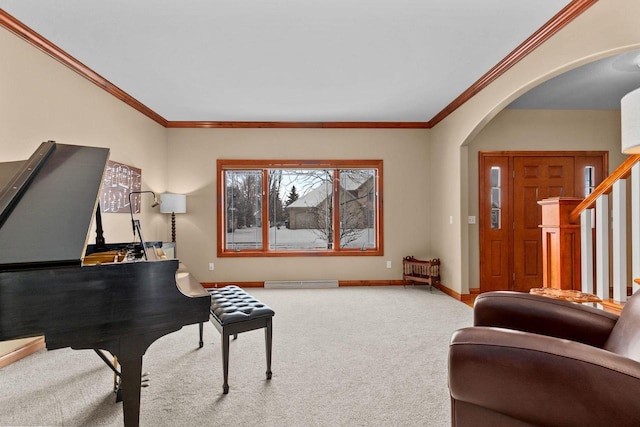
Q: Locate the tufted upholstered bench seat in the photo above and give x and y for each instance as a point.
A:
(234, 311)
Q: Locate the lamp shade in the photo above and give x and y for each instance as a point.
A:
(630, 122)
(173, 203)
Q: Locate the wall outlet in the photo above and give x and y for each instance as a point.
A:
(388, 264)
(472, 219)
(210, 266)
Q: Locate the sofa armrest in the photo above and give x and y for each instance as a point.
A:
(543, 315)
(543, 380)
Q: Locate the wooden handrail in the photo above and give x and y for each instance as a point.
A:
(605, 186)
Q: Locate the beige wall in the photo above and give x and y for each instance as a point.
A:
(43, 100)
(539, 130)
(608, 27)
(193, 154)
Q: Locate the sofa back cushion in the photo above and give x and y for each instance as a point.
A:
(625, 336)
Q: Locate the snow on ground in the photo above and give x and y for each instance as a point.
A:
(284, 238)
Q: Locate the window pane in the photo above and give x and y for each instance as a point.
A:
(307, 214)
(243, 208)
(589, 184)
(495, 176)
(357, 208)
(496, 198)
(495, 219)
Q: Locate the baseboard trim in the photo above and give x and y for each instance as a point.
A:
(450, 292)
(239, 284)
(340, 283)
(440, 286)
(24, 351)
(371, 283)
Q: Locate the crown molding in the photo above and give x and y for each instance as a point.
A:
(317, 125)
(561, 19)
(19, 29)
(555, 24)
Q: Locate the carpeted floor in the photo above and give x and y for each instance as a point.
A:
(350, 356)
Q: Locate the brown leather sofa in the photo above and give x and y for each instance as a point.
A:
(532, 360)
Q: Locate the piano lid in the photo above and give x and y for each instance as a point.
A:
(47, 206)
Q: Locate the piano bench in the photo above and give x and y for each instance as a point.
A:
(234, 311)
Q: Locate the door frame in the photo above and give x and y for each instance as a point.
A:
(508, 157)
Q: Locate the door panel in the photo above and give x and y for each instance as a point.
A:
(495, 258)
(535, 178)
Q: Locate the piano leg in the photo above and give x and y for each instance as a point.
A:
(129, 351)
(131, 371)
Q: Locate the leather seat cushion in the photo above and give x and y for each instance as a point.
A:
(231, 304)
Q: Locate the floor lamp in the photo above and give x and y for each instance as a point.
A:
(173, 204)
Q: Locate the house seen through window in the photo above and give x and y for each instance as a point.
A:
(277, 208)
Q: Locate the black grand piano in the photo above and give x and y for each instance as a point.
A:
(46, 288)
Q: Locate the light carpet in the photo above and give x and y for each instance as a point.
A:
(349, 356)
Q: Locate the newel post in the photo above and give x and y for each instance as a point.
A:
(560, 244)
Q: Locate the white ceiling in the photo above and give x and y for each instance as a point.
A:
(290, 61)
(598, 85)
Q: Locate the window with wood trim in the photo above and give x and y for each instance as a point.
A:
(299, 207)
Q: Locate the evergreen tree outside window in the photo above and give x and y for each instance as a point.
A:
(330, 207)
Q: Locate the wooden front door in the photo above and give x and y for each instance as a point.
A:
(511, 183)
(534, 178)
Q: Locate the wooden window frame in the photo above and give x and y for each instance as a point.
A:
(223, 165)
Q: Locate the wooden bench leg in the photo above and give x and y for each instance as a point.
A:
(267, 338)
(225, 361)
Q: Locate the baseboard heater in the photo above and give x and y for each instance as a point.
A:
(300, 284)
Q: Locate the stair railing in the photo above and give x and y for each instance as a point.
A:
(609, 237)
